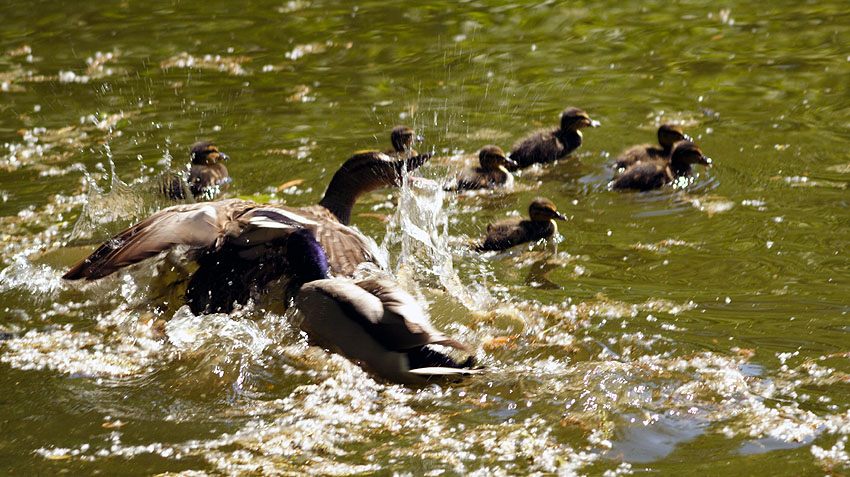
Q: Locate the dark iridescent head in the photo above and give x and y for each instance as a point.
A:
(543, 209)
(403, 137)
(669, 134)
(207, 153)
(306, 257)
(492, 157)
(686, 152)
(573, 119)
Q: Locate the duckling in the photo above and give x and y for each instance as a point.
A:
(552, 144)
(657, 173)
(374, 323)
(207, 176)
(240, 245)
(668, 135)
(402, 138)
(491, 174)
(508, 233)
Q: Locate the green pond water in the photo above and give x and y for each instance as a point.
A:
(701, 331)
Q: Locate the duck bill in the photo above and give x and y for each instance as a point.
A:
(593, 123)
(687, 138)
(560, 216)
(706, 161)
(510, 162)
(418, 138)
(222, 156)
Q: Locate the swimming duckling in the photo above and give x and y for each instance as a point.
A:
(508, 233)
(653, 174)
(374, 323)
(668, 135)
(240, 245)
(402, 138)
(552, 144)
(207, 176)
(491, 174)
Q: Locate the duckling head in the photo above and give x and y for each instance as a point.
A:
(669, 134)
(573, 119)
(493, 157)
(543, 210)
(687, 153)
(206, 153)
(306, 257)
(403, 138)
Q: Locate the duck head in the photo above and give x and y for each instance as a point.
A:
(686, 153)
(206, 153)
(403, 138)
(493, 157)
(543, 210)
(573, 119)
(306, 257)
(364, 172)
(669, 134)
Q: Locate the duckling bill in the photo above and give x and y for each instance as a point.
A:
(648, 175)
(492, 173)
(371, 322)
(552, 144)
(512, 232)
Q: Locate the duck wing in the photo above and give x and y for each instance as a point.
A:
(401, 324)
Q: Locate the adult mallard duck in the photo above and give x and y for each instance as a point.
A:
(207, 176)
(509, 233)
(402, 138)
(240, 245)
(657, 173)
(668, 135)
(552, 144)
(492, 173)
(374, 323)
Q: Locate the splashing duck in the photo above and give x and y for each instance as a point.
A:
(509, 233)
(374, 323)
(240, 245)
(552, 144)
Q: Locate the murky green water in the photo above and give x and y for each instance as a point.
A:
(694, 332)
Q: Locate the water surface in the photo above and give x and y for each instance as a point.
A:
(698, 331)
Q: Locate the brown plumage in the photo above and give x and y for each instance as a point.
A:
(207, 177)
(402, 138)
(492, 173)
(374, 323)
(552, 144)
(240, 245)
(668, 135)
(653, 174)
(509, 233)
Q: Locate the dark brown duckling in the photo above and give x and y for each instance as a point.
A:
(240, 245)
(492, 173)
(508, 233)
(207, 177)
(402, 138)
(668, 135)
(657, 173)
(552, 144)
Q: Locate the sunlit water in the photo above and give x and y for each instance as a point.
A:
(689, 332)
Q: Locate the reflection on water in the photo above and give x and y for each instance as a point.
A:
(671, 331)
